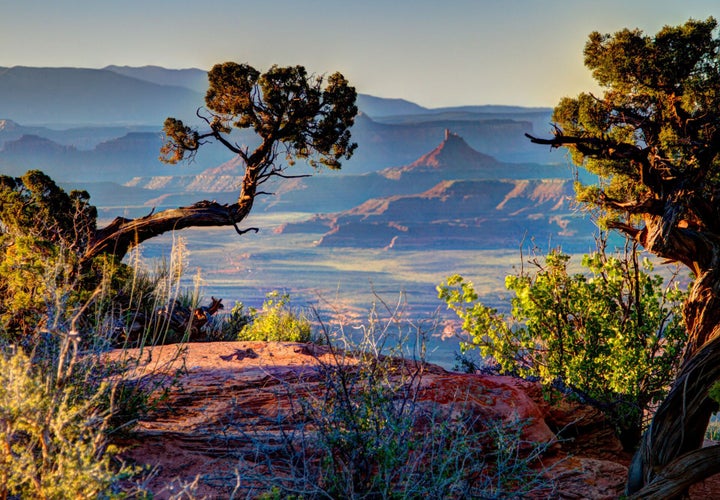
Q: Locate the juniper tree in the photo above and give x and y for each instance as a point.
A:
(653, 137)
(295, 116)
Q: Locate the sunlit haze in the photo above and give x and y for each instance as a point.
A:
(433, 53)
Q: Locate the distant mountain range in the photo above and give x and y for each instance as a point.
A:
(69, 105)
(105, 124)
(100, 130)
(80, 97)
(452, 159)
(452, 197)
(124, 95)
(381, 145)
(192, 78)
(116, 154)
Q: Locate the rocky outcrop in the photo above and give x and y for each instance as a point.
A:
(460, 214)
(453, 197)
(454, 158)
(221, 398)
(404, 140)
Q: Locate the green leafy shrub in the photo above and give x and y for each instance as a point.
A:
(226, 327)
(44, 232)
(613, 335)
(59, 400)
(45, 279)
(52, 434)
(275, 322)
(58, 396)
(376, 440)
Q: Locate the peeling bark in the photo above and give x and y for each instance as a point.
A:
(678, 427)
(122, 234)
(683, 472)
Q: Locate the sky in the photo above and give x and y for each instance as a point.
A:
(433, 52)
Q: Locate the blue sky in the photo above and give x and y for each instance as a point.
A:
(435, 53)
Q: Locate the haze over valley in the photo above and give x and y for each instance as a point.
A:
(428, 193)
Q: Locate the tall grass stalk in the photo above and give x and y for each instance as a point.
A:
(62, 396)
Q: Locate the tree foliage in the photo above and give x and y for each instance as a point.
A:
(284, 106)
(612, 334)
(33, 205)
(653, 137)
(43, 233)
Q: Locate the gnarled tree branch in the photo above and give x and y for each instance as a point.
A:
(681, 473)
(284, 106)
(123, 234)
(593, 146)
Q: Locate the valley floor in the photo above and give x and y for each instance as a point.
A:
(340, 283)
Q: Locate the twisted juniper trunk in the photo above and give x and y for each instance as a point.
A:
(653, 137)
(674, 439)
(122, 234)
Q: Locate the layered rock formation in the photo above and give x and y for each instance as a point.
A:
(223, 399)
